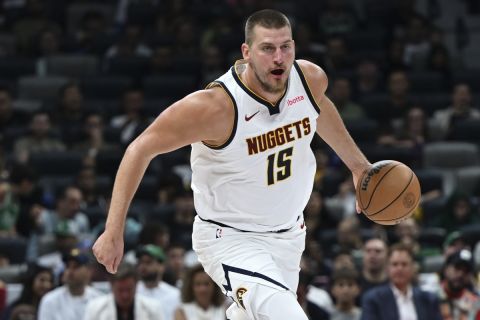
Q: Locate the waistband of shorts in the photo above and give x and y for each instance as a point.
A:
(227, 226)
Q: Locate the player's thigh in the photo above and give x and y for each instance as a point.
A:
(233, 258)
(287, 252)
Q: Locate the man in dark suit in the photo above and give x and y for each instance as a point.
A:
(399, 300)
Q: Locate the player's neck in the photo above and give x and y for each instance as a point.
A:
(250, 80)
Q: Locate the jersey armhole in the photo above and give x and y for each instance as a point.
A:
(306, 87)
(235, 120)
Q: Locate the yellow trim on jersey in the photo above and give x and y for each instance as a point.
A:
(210, 86)
(253, 92)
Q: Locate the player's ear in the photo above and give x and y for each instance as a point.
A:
(245, 51)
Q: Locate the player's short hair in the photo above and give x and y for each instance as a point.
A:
(267, 18)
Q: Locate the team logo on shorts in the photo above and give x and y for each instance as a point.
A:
(240, 292)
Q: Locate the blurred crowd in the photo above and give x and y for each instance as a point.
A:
(79, 80)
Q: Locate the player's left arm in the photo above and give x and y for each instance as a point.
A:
(330, 126)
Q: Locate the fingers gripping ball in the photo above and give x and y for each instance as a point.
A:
(388, 192)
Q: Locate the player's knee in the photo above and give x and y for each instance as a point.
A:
(281, 305)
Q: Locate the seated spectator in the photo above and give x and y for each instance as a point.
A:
(9, 211)
(123, 302)
(202, 299)
(411, 134)
(395, 56)
(129, 44)
(33, 18)
(70, 112)
(417, 45)
(9, 116)
(49, 45)
(341, 95)
(38, 281)
(181, 223)
(374, 264)
(349, 239)
(150, 268)
(461, 109)
(458, 299)
(399, 299)
(152, 233)
(64, 241)
(22, 312)
(92, 139)
(439, 60)
(91, 33)
(454, 242)
(343, 203)
(313, 310)
(161, 61)
(86, 181)
(212, 64)
(175, 265)
(399, 100)
(29, 194)
(305, 44)
(337, 18)
(407, 233)
(68, 209)
(368, 78)
(69, 301)
(317, 216)
(345, 289)
(132, 120)
(39, 139)
(337, 58)
(459, 211)
(314, 264)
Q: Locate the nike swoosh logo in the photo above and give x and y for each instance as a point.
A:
(247, 118)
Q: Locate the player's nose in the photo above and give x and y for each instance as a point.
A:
(278, 56)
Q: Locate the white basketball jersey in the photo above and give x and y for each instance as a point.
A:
(261, 178)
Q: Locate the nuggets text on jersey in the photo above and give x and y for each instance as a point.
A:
(279, 136)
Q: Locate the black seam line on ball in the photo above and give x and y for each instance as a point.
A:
(399, 195)
(378, 183)
(406, 214)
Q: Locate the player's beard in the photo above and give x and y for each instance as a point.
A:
(276, 87)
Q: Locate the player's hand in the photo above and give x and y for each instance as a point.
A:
(108, 250)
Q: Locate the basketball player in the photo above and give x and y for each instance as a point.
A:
(253, 169)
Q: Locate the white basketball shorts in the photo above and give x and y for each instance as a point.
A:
(236, 260)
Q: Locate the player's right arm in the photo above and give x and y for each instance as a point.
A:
(201, 116)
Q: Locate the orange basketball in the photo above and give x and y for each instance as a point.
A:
(388, 192)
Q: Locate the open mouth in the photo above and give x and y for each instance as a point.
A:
(277, 72)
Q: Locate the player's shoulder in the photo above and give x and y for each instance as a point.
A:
(314, 74)
(213, 98)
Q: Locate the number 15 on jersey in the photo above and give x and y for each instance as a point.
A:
(279, 165)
